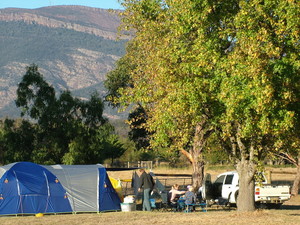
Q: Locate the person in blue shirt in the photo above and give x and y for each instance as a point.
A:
(190, 197)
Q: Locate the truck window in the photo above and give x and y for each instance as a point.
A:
(228, 179)
(218, 184)
(220, 180)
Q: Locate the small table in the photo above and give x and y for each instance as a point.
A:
(203, 206)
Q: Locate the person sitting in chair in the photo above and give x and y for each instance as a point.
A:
(190, 197)
(175, 192)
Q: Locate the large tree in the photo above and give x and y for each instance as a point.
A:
(202, 66)
(173, 78)
(259, 84)
(68, 130)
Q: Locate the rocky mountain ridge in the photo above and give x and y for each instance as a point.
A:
(74, 47)
(78, 18)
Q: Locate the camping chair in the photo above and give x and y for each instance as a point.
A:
(165, 204)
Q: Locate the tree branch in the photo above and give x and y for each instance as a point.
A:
(187, 154)
(287, 157)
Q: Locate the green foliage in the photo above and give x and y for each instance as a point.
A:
(113, 148)
(215, 155)
(117, 79)
(138, 132)
(143, 155)
(260, 77)
(35, 95)
(169, 79)
(17, 140)
(230, 67)
(67, 130)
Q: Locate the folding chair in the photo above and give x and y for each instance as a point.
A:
(165, 204)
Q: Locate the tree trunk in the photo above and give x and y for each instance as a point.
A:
(295, 188)
(245, 200)
(198, 167)
(195, 155)
(198, 174)
(200, 138)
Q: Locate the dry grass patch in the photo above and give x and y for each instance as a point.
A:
(267, 217)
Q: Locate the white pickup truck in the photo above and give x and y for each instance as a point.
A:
(226, 189)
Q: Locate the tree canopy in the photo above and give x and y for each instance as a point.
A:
(204, 66)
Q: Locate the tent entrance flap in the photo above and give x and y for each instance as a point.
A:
(108, 197)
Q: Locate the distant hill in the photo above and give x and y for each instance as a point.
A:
(74, 47)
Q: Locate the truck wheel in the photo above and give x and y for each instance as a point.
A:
(229, 203)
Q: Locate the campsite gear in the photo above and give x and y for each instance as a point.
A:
(152, 203)
(127, 207)
(117, 185)
(29, 188)
(129, 199)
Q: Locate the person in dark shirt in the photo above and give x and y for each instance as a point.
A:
(147, 183)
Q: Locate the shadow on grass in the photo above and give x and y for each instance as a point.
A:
(290, 207)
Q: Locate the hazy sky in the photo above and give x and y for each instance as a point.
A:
(32, 4)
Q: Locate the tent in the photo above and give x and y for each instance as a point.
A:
(28, 188)
(88, 187)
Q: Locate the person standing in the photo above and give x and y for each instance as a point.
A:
(147, 183)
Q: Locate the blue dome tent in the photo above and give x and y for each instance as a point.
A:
(28, 188)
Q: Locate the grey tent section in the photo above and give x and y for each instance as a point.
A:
(158, 185)
(81, 183)
(3, 169)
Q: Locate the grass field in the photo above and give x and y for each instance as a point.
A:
(268, 217)
(288, 214)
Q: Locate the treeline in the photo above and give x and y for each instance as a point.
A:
(56, 128)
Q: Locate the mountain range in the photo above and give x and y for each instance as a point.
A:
(73, 46)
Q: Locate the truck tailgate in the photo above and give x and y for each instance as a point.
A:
(269, 192)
